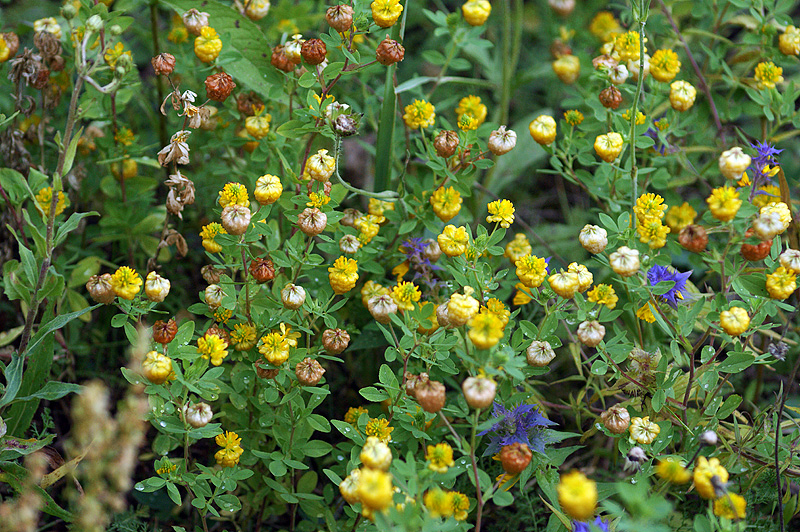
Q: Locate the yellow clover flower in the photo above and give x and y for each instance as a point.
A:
(157, 367)
(640, 117)
(531, 270)
(231, 450)
(375, 490)
(113, 54)
(673, 471)
(543, 129)
(343, 275)
(608, 146)
(573, 117)
(405, 294)
(789, 41)
(768, 74)
(664, 65)
(603, 294)
(460, 505)
(446, 203)
(243, 337)
(44, 199)
(781, 283)
(645, 313)
(268, 189)
(577, 495)
(652, 233)
(212, 347)
(453, 240)
(207, 45)
(386, 12)
(438, 502)
(485, 330)
(379, 428)
(679, 217)
(627, 46)
(731, 506)
(502, 212)
(682, 95)
(419, 114)
(440, 457)
(207, 235)
(643, 431)
(476, 12)
(604, 26)
(518, 248)
(496, 307)
(704, 472)
(471, 105)
(126, 283)
(233, 194)
(724, 203)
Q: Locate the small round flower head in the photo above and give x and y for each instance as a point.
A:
(48, 25)
(207, 45)
(649, 206)
(585, 277)
(382, 306)
(704, 474)
(293, 49)
(234, 194)
(243, 337)
(733, 163)
(625, 261)
(626, 45)
(349, 487)
(379, 428)
(231, 450)
(419, 114)
(603, 294)
(671, 470)
(157, 367)
(773, 219)
(195, 20)
(789, 41)
(126, 283)
(438, 503)
(235, 219)
(731, 506)
(405, 294)
(682, 95)
(207, 237)
(640, 117)
(485, 330)
(608, 146)
(565, 284)
(476, 12)
(257, 126)
(790, 260)
(594, 239)
(156, 287)
(643, 431)
(616, 419)
(274, 348)
(781, 283)
(577, 495)
(518, 248)
(679, 217)
(376, 454)
(539, 353)
(257, 9)
(349, 244)
(767, 75)
(724, 203)
(502, 140)
(386, 12)
(45, 198)
(604, 26)
(531, 270)
(543, 129)
(343, 275)
(591, 333)
(652, 232)
(453, 240)
(321, 166)
(99, 287)
(446, 203)
(502, 212)
(573, 117)
(734, 321)
(567, 68)
(212, 347)
(664, 65)
(293, 296)
(440, 457)
(462, 307)
(471, 105)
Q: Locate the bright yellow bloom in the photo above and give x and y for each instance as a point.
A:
(157, 367)
(766, 195)
(645, 313)
(207, 235)
(652, 233)
(379, 427)
(485, 330)
(476, 12)
(643, 431)
(704, 471)
(518, 248)
(126, 283)
(679, 217)
(462, 307)
(352, 414)
(781, 283)
(608, 146)
(405, 294)
(453, 240)
(440, 457)
(471, 105)
(207, 45)
(531, 270)
(649, 206)
(5, 51)
(627, 46)
(734, 321)
(731, 506)
(573, 117)
(112, 55)
(467, 123)
(367, 228)
(604, 26)
(376, 454)
(44, 199)
(568, 68)
(213, 347)
(789, 41)
(233, 194)
(604, 294)
(577, 495)
(543, 129)
(724, 203)
(420, 114)
(243, 337)
(521, 296)
(275, 348)
(343, 275)
(565, 284)
(460, 504)
(231, 450)
(682, 95)
(257, 126)
(501, 211)
(375, 490)
(321, 166)
(268, 189)
(386, 12)
(767, 75)
(664, 65)
(496, 307)
(318, 200)
(439, 503)
(640, 117)
(585, 277)
(673, 471)
(446, 203)
(378, 208)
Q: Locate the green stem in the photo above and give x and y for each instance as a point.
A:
(642, 18)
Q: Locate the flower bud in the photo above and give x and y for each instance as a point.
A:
(430, 395)
(515, 458)
(502, 141)
(262, 269)
(335, 341)
(156, 367)
(164, 331)
(543, 130)
(349, 217)
(99, 288)
(256, 9)
(682, 95)
(280, 60)
(755, 252)
(195, 21)
(349, 244)
(213, 295)
(293, 48)
(625, 261)
(115, 30)
(616, 419)
(68, 11)
(389, 52)
(594, 239)
(733, 163)
(381, 307)
(608, 146)
(610, 97)
(293, 296)
(539, 354)
(312, 221)
(376, 455)
(156, 287)
(309, 372)
(340, 17)
(591, 333)
(432, 251)
(219, 86)
(197, 415)
(163, 64)
(446, 143)
(345, 125)
(565, 284)
(94, 23)
(462, 308)
(236, 219)
(694, 238)
(265, 370)
(479, 392)
(313, 51)
(567, 67)
(734, 321)
(210, 274)
(790, 260)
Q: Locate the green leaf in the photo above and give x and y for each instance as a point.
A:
(71, 224)
(172, 490)
(69, 156)
(736, 362)
(56, 323)
(53, 390)
(13, 375)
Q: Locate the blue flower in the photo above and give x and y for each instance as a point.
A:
(765, 155)
(414, 249)
(662, 273)
(578, 526)
(522, 424)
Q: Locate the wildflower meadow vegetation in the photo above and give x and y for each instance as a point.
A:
(400, 266)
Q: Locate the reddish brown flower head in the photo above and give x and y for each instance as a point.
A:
(412, 381)
(314, 51)
(262, 270)
(312, 221)
(446, 143)
(616, 419)
(41, 78)
(219, 86)
(309, 372)
(99, 287)
(389, 52)
(515, 458)
(164, 331)
(340, 18)
(246, 103)
(12, 43)
(219, 331)
(694, 238)
(559, 49)
(265, 370)
(163, 64)
(755, 252)
(430, 395)
(611, 97)
(210, 274)
(335, 341)
(280, 60)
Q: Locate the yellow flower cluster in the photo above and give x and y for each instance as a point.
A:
(268, 189)
(405, 294)
(573, 117)
(664, 65)
(502, 212)
(231, 450)
(45, 197)
(768, 74)
(113, 54)
(627, 45)
(233, 194)
(445, 504)
(243, 337)
(207, 235)
(440, 457)
(724, 203)
(608, 146)
(471, 105)
(476, 12)
(126, 283)
(157, 367)
(643, 431)
(649, 210)
(518, 248)
(604, 26)
(379, 428)
(604, 294)
(419, 114)
(453, 240)
(343, 275)
(485, 329)
(275, 345)
(531, 270)
(213, 347)
(207, 45)
(446, 203)
(679, 217)
(577, 495)
(386, 12)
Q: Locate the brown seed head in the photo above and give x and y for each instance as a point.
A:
(99, 287)
(389, 52)
(755, 252)
(430, 395)
(312, 221)
(262, 270)
(247, 101)
(340, 18)
(163, 64)
(164, 331)
(616, 419)
(446, 143)
(265, 370)
(610, 97)
(309, 372)
(694, 238)
(280, 60)
(335, 341)
(219, 86)
(314, 51)
(210, 274)
(515, 458)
